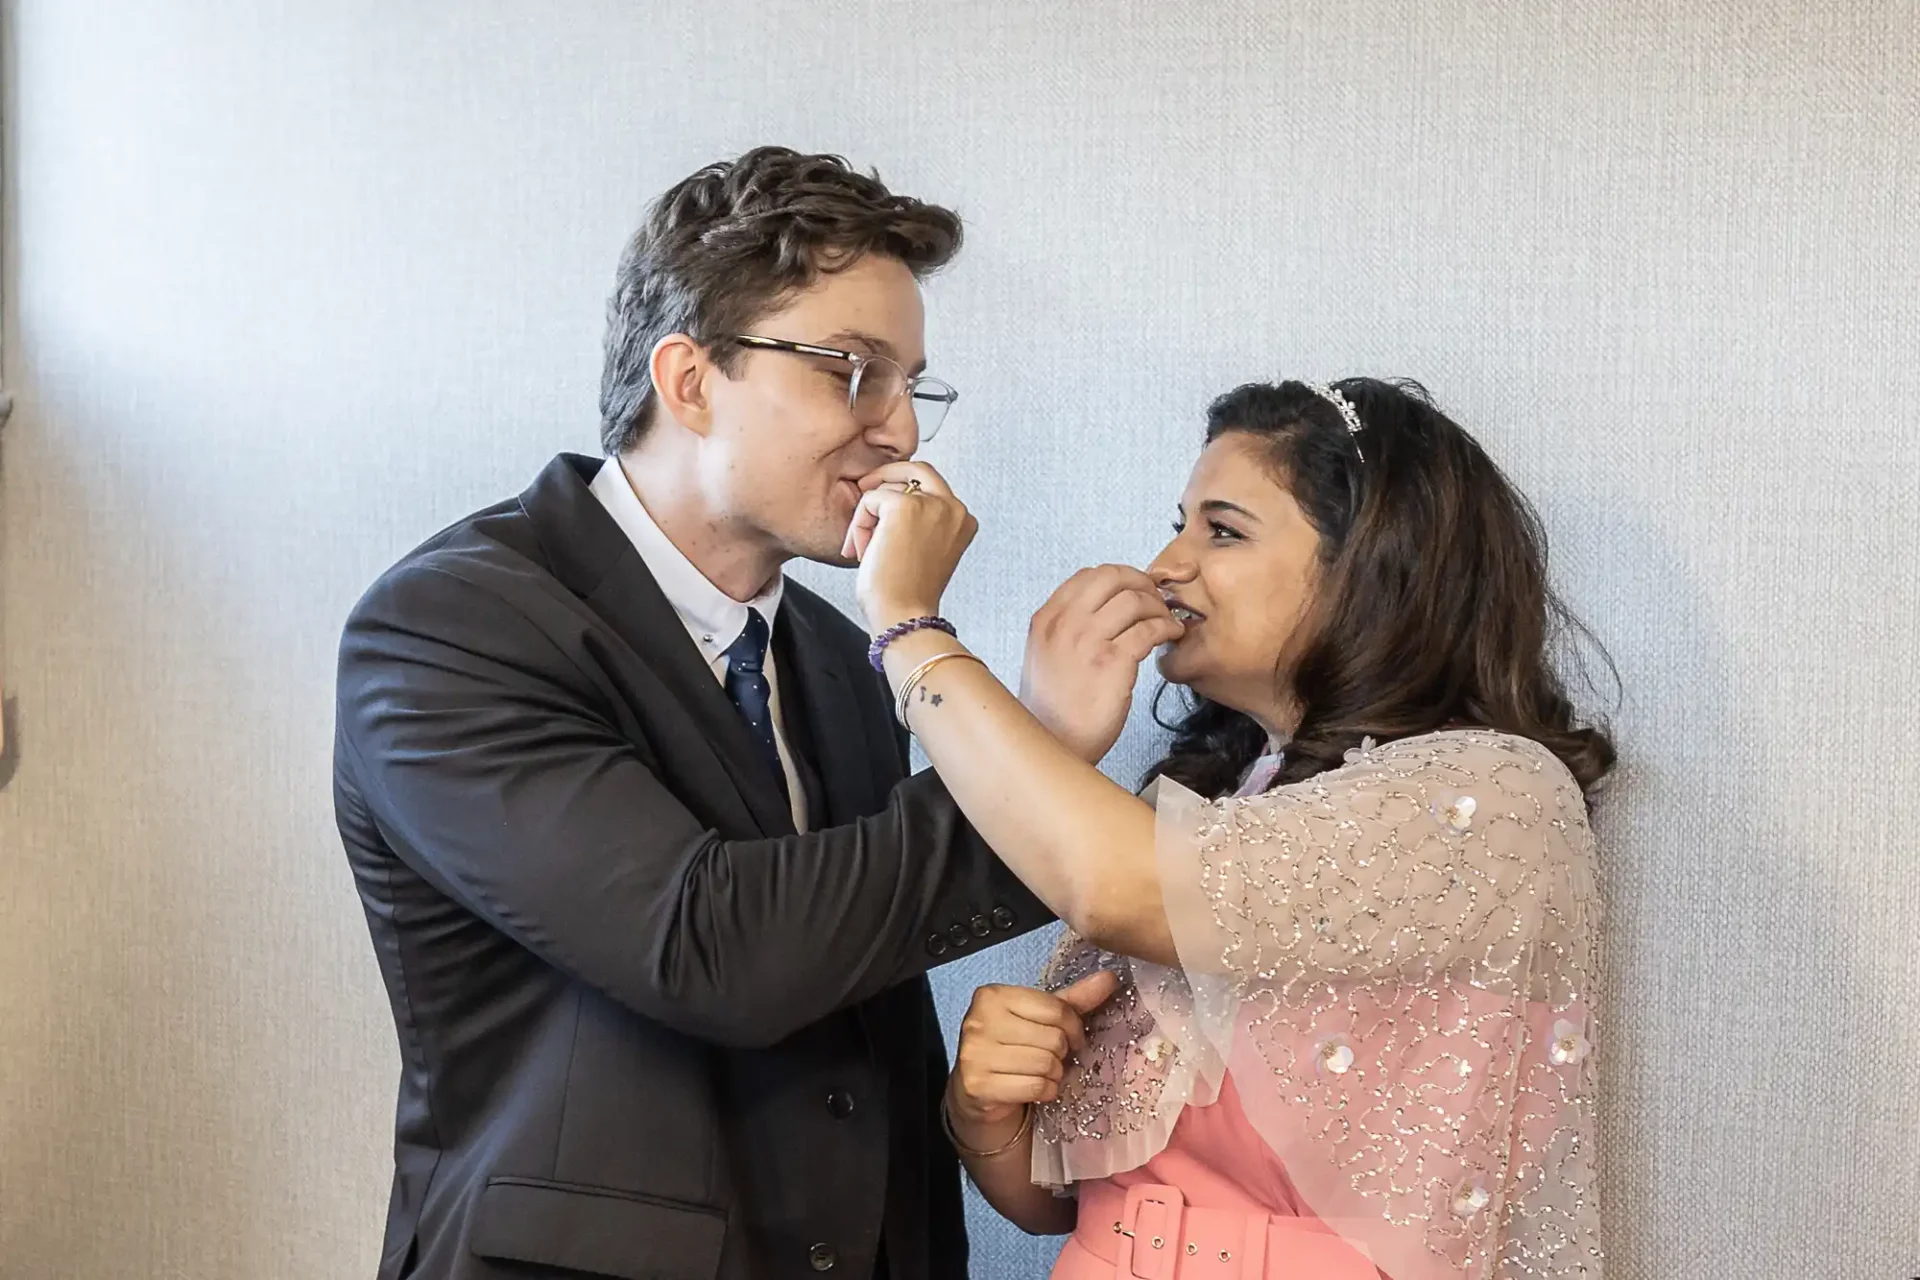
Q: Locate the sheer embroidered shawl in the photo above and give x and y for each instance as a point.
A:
(1396, 960)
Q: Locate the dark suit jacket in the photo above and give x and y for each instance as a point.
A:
(646, 1030)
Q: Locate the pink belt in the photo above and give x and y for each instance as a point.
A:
(1150, 1232)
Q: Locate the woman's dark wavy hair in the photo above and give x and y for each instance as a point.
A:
(1433, 606)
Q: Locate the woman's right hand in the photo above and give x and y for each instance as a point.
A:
(908, 534)
(1014, 1043)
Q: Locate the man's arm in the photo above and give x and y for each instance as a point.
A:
(489, 773)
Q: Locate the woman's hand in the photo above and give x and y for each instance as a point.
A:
(1013, 1052)
(908, 533)
(1084, 650)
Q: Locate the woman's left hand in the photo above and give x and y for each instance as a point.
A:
(908, 533)
(1084, 650)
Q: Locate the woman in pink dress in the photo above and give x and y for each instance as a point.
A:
(1325, 1002)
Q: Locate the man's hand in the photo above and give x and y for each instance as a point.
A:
(1084, 650)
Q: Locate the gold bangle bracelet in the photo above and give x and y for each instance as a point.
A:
(946, 1122)
(918, 674)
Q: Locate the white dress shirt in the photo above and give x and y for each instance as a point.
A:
(712, 618)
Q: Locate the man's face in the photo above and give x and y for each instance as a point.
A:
(783, 453)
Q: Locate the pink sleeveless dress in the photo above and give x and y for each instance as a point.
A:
(1235, 1199)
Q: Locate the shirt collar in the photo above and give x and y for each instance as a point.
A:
(712, 617)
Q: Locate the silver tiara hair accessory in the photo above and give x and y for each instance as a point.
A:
(1348, 414)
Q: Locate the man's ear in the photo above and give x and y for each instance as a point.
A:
(682, 373)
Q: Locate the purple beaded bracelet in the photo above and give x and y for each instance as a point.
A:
(877, 650)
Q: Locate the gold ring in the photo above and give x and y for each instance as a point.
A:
(913, 484)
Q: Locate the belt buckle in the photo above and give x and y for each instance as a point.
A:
(1150, 1221)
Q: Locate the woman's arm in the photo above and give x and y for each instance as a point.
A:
(1083, 845)
(1004, 1175)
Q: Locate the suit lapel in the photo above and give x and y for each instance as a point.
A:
(593, 557)
(632, 602)
(823, 676)
(819, 674)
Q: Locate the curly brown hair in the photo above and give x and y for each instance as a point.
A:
(729, 243)
(1433, 607)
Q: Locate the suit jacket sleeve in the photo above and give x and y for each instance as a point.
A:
(475, 746)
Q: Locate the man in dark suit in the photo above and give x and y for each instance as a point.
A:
(650, 888)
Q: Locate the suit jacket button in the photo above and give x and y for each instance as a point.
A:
(839, 1104)
(822, 1258)
(1002, 918)
(959, 935)
(936, 945)
(981, 926)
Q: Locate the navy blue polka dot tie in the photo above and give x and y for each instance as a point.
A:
(747, 686)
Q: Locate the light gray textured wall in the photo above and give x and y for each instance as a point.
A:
(290, 285)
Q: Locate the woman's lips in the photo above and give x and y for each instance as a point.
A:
(1183, 614)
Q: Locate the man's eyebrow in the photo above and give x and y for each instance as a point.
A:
(877, 345)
